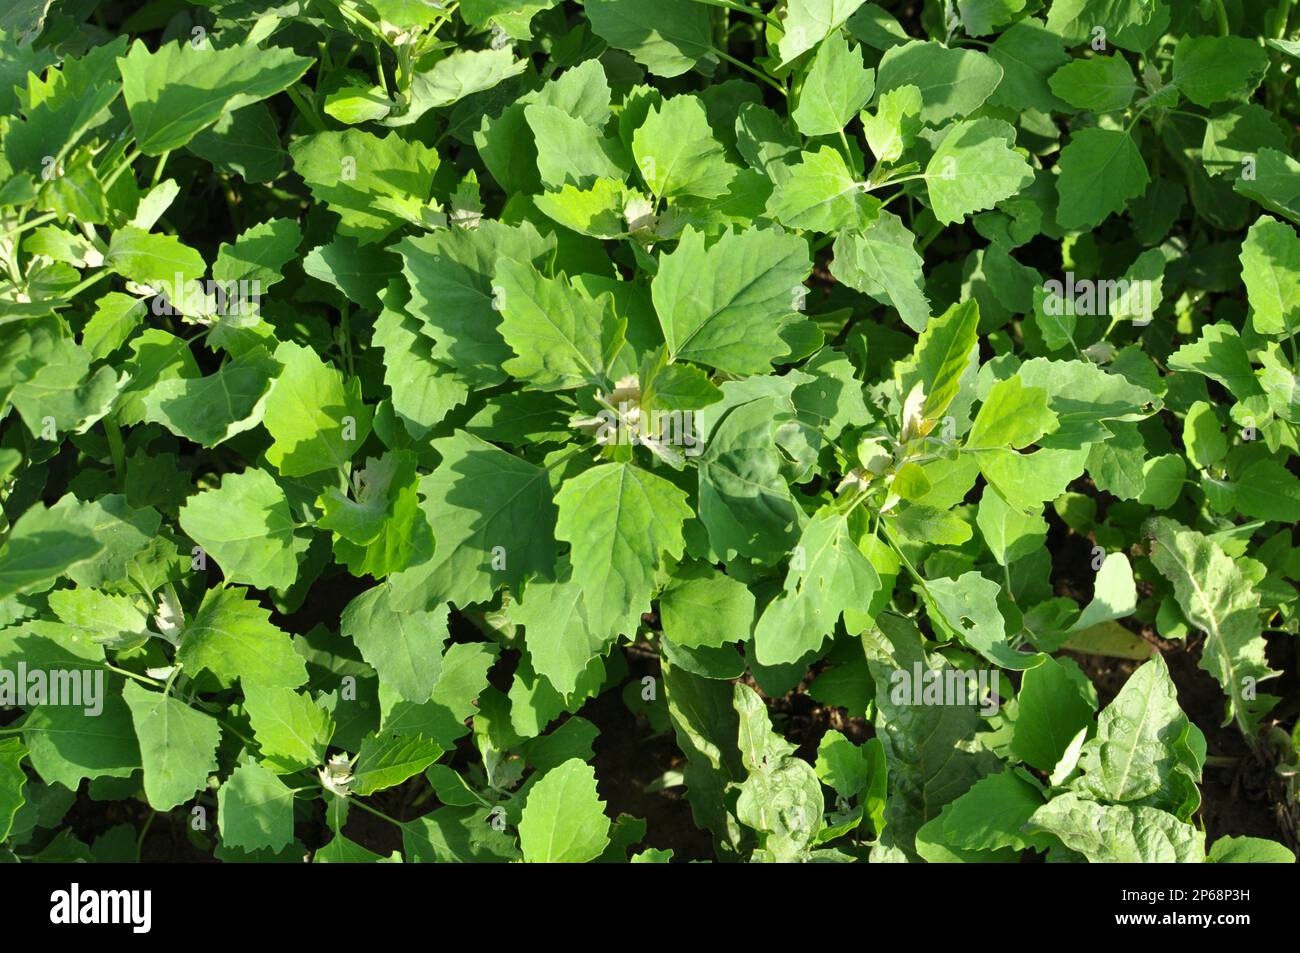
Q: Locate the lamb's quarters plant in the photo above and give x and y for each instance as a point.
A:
(862, 430)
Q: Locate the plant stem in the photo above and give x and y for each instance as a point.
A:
(375, 811)
(158, 169)
(116, 450)
(85, 283)
(307, 112)
(129, 674)
(121, 167)
(30, 223)
(1221, 15)
(848, 153)
(762, 77)
(743, 8)
(144, 830)
(346, 334)
(1281, 17)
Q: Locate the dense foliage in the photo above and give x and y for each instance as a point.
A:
(416, 417)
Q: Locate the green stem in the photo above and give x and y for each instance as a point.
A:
(144, 830)
(85, 283)
(346, 333)
(122, 166)
(116, 450)
(308, 113)
(1281, 17)
(893, 544)
(129, 674)
(357, 802)
(1221, 16)
(158, 169)
(742, 8)
(762, 77)
(848, 153)
(30, 223)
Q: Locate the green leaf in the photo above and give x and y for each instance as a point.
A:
(259, 254)
(677, 152)
(1009, 534)
(974, 168)
(1267, 490)
(828, 574)
(178, 745)
(836, 87)
(69, 743)
(731, 320)
(932, 751)
(12, 781)
(562, 338)
(1275, 185)
(387, 760)
(745, 501)
(42, 545)
(246, 526)
(1270, 268)
(450, 274)
(291, 729)
(563, 817)
(1012, 415)
(1055, 703)
(1220, 355)
(232, 637)
(1092, 156)
(1210, 69)
(182, 88)
(702, 607)
(255, 809)
(361, 272)
(1145, 748)
(621, 521)
(374, 184)
(1118, 833)
(668, 39)
(966, 608)
(317, 420)
(1076, 19)
(1217, 599)
(992, 814)
(154, 260)
(495, 520)
(1100, 84)
(880, 260)
(210, 410)
(895, 124)
(954, 81)
(1114, 594)
(808, 22)
(1028, 54)
(782, 797)
(1203, 435)
(842, 765)
(561, 642)
(1248, 850)
(422, 391)
(822, 195)
(569, 151)
(451, 79)
(405, 648)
